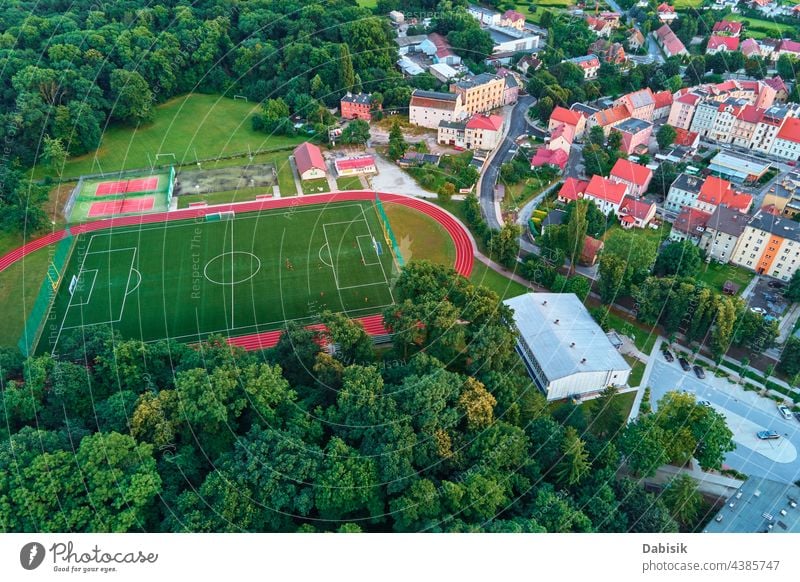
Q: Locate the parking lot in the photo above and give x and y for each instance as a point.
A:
(768, 298)
(746, 413)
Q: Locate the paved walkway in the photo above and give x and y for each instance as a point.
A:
(750, 287)
(297, 182)
(637, 402)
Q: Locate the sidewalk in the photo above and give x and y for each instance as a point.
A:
(637, 403)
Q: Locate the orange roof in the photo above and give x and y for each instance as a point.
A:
(612, 115)
(604, 189)
(684, 137)
(739, 201)
(565, 116)
(730, 43)
(308, 156)
(690, 219)
(790, 130)
(662, 99)
(630, 172)
(544, 156)
(714, 190)
(633, 208)
(573, 189)
(490, 122)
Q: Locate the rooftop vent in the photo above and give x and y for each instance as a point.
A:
(572, 345)
(556, 321)
(583, 360)
(544, 302)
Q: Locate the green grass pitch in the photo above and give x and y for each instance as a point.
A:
(188, 279)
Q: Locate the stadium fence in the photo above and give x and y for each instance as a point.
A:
(391, 241)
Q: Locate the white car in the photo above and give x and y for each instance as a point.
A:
(704, 403)
(785, 412)
(759, 310)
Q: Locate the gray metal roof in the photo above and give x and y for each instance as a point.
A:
(688, 183)
(782, 227)
(434, 95)
(575, 344)
(633, 125)
(477, 80)
(758, 504)
(403, 41)
(728, 220)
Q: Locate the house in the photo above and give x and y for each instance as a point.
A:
(439, 50)
(547, 157)
(573, 119)
(408, 67)
(767, 128)
(787, 140)
(635, 135)
(608, 118)
(600, 26)
(483, 15)
(479, 132)
(662, 103)
(727, 28)
(635, 177)
(480, 93)
(411, 159)
(606, 194)
(690, 225)
(561, 138)
(666, 13)
(409, 44)
(722, 233)
(355, 166)
(589, 64)
(718, 44)
(683, 193)
(511, 40)
(572, 190)
(443, 72)
(565, 351)
(718, 192)
(635, 213)
(758, 506)
(777, 83)
(428, 108)
(688, 139)
(640, 104)
(636, 39)
(358, 106)
(513, 19)
(397, 17)
(608, 52)
(749, 48)
(787, 47)
(784, 195)
(591, 250)
(669, 43)
(769, 245)
(511, 93)
(309, 162)
(744, 125)
(529, 64)
(681, 113)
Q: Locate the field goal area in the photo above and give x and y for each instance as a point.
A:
(121, 194)
(236, 274)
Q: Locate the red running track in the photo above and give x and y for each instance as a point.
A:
(373, 324)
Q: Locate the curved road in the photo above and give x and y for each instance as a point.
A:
(517, 126)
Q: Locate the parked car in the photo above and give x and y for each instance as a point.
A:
(704, 403)
(699, 372)
(785, 412)
(668, 356)
(759, 310)
(684, 364)
(767, 435)
(776, 285)
(797, 416)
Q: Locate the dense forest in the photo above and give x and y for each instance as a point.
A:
(442, 431)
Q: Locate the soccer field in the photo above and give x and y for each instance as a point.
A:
(185, 280)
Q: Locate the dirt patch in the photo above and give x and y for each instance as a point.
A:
(56, 199)
(225, 179)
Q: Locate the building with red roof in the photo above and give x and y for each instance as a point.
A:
(718, 192)
(781, 90)
(662, 102)
(479, 132)
(546, 157)
(357, 106)
(787, 47)
(572, 190)
(686, 138)
(745, 125)
(561, 116)
(750, 48)
(727, 28)
(608, 118)
(513, 19)
(787, 140)
(309, 162)
(591, 250)
(719, 44)
(666, 13)
(636, 213)
(668, 42)
(635, 176)
(605, 193)
(439, 50)
(690, 225)
(589, 64)
(561, 138)
(640, 104)
(356, 166)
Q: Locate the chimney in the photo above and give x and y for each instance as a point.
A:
(544, 302)
(583, 360)
(556, 321)
(572, 345)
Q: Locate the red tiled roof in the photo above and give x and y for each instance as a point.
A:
(628, 219)
(662, 99)
(544, 156)
(573, 189)
(665, 8)
(749, 47)
(612, 115)
(730, 43)
(671, 43)
(563, 130)
(684, 137)
(730, 27)
(442, 46)
(688, 98)
(739, 201)
(633, 208)
(490, 122)
(790, 130)
(714, 190)
(630, 172)
(690, 219)
(355, 163)
(750, 114)
(776, 82)
(513, 15)
(308, 156)
(787, 45)
(591, 246)
(565, 116)
(604, 189)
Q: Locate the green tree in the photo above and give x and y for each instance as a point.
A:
(347, 75)
(722, 332)
(792, 292)
(54, 154)
(683, 499)
(352, 342)
(397, 143)
(576, 232)
(666, 136)
(504, 245)
(574, 465)
(612, 278)
(678, 258)
(790, 357)
(132, 97)
(643, 445)
(356, 132)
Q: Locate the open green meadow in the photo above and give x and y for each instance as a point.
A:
(188, 279)
(758, 28)
(190, 127)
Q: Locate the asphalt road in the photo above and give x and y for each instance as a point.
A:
(517, 127)
(746, 413)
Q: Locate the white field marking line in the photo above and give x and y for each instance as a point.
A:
(69, 303)
(385, 279)
(363, 258)
(269, 323)
(323, 261)
(220, 255)
(363, 285)
(139, 282)
(112, 250)
(91, 289)
(327, 242)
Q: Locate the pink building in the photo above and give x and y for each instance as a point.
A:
(635, 134)
(635, 176)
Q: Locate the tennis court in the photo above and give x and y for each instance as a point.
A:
(134, 192)
(125, 206)
(123, 186)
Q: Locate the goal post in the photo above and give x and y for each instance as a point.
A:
(388, 235)
(217, 216)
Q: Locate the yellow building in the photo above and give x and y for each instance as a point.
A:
(481, 93)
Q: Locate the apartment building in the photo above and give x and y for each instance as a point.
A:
(787, 141)
(784, 195)
(722, 232)
(429, 108)
(683, 192)
(769, 245)
(481, 93)
(606, 194)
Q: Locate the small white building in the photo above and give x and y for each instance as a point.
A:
(566, 353)
(355, 166)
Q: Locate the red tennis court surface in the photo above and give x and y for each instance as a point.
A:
(121, 206)
(122, 186)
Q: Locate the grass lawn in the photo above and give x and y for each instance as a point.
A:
(687, 4)
(367, 3)
(240, 195)
(236, 276)
(624, 402)
(349, 183)
(517, 195)
(643, 337)
(419, 236)
(637, 370)
(648, 236)
(19, 286)
(504, 287)
(715, 275)
(315, 186)
(758, 27)
(192, 126)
